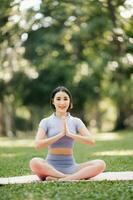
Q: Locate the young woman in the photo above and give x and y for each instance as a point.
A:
(58, 132)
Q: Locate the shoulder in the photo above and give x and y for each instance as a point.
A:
(78, 122)
(45, 121)
(49, 117)
(76, 119)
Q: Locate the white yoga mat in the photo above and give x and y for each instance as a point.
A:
(110, 176)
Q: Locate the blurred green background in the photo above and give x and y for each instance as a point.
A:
(85, 45)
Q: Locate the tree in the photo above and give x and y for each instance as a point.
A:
(84, 45)
(94, 37)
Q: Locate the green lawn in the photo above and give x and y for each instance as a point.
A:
(116, 149)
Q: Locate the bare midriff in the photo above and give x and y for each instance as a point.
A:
(64, 151)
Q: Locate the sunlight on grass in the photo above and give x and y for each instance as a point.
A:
(107, 136)
(7, 142)
(9, 155)
(114, 153)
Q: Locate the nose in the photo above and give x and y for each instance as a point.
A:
(62, 102)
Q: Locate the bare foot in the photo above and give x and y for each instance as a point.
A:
(65, 179)
(51, 178)
(42, 178)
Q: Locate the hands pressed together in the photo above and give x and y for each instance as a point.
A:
(65, 128)
(84, 136)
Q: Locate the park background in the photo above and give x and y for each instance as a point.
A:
(86, 46)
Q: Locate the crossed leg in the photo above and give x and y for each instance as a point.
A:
(84, 170)
(42, 169)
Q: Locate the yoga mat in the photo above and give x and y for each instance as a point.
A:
(112, 176)
(109, 176)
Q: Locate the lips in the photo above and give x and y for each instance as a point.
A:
(62, 107)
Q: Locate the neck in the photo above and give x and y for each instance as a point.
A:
(59, 114)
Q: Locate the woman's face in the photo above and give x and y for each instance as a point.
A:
(61, 102)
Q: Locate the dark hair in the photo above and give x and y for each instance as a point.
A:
(61, 89)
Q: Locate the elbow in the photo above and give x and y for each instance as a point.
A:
(37, 146)
(92, 142)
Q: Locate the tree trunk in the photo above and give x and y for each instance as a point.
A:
(120, 121)
(2, 124)
(9, 118)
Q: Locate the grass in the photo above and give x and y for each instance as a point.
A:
(116, 149)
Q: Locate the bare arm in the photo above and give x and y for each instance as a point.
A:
(41, 139)
(84, 137)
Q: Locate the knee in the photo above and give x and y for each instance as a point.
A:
(33, 163)
(101, 164)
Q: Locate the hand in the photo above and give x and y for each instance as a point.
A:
(63, 129)
(68, 133)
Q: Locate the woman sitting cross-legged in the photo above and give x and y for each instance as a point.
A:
(58, 132)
